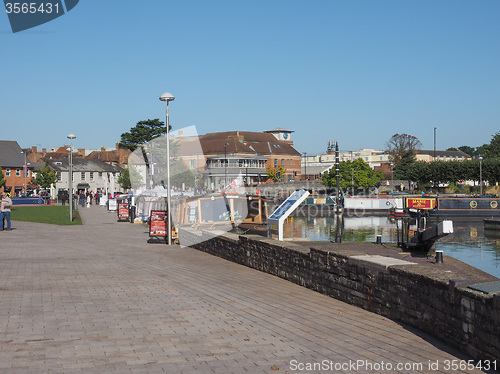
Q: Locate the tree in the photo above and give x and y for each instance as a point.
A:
(46, 177)
(355, 173)
(471, 151)
(142, 133)
(401, 169)
(493, 149)
(2, 178)
(130, 178)
(399, 144)
(275, 174)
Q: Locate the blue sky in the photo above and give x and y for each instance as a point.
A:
(357, 71)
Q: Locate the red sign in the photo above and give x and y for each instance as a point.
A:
(157, 224)
(123, 210)
(421, 203)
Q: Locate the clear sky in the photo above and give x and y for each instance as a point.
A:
(357, 71)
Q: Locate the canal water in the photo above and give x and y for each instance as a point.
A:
(469, 242)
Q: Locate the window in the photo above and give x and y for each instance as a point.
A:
(18, 172)
(59, 178)
(283, 162)
(192, 164)
(82, 176)
(100, 174)
(91, 176)
(7, 172)
(275, 162)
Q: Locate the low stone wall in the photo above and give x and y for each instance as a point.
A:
(441, 305)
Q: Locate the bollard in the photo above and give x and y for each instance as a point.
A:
(379, 239)
(439, 257)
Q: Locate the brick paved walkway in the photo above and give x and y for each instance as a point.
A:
(97, 298)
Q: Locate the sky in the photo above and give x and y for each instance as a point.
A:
(356, 71)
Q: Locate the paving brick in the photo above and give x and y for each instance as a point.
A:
(98, 298)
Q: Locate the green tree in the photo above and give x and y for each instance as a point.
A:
(141, 133)
(493, 149)
(355, 173)
(471, 151)
(399, 144)
(2, 178)
(275, 174)
(401, 169)
(46, 177)
(129, 178)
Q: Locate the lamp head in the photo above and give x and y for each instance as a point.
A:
(167, 96)
(71, 136)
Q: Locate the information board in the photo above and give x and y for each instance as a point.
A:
(277, 218)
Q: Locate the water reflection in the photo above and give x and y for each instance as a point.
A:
(469, 242)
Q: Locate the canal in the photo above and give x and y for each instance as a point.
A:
(469, 243)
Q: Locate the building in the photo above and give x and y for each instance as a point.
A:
(429, 156)
(313, 166)
(239, 157)
(15, 167)
(88, 175)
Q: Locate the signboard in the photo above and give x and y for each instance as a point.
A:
(420, 203)
(157, 226)
(112, 206)
(276, 220)
(123, 210)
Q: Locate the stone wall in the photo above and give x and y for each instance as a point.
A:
(443, 307)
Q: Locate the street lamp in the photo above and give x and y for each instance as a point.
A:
(481, 175)
(305, 165)
(435, 128)
(392, 175)
(25, 169)
(168, 97)
(225, 165)
(70, 189)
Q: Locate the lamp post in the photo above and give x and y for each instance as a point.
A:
(25, 170)
(305, 165)
(168, 97)
(435, 128)
(481, 175)
(225, 164)
(70, 188)
(392, 175)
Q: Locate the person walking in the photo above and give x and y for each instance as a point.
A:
(5, 211)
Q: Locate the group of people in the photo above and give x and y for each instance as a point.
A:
(5, 211)
(88, 197)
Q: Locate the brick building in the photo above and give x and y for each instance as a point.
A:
(17, 173)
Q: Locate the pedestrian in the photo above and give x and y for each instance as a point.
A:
(5, 211)
(82, 199)
(89, 200)
(96, 197)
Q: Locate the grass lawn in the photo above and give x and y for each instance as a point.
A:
(54, 214)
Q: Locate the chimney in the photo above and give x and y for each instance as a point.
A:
(44, 151)
(117, 145)
(33, 150)
(103, 149)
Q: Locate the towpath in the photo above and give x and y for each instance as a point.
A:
(97, 298)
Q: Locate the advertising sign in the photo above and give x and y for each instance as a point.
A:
(123, 211)
(158, 226)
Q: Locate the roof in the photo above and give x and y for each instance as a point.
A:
(279, 129)
(240, 142)
(459, 154)
(11, 154)
(82, 165)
